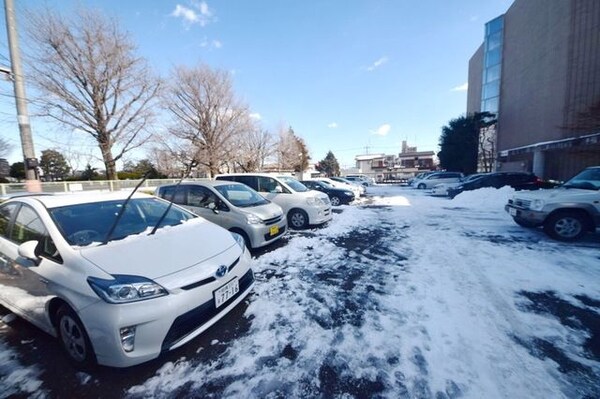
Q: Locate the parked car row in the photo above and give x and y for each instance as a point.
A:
(516, 180)
(120, 278)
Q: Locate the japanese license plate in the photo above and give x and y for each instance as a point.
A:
(512, 211)
(273, 230)
(226, 292)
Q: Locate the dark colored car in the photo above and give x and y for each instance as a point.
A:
(337, 196)
(517, 180)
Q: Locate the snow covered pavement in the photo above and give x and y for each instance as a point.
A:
(405, 295)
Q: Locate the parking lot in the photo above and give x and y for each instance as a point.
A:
(400, 295)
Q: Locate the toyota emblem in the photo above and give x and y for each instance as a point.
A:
(221, 271)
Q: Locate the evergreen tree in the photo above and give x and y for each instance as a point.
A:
(90, 173)
(459, 142)
(53, 165)
(17, 170)
(329, 165)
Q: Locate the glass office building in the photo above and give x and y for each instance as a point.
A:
(492, 65)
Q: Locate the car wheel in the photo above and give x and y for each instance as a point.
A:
(421, 186)
(73, 338)
(525, 223)
(335, 201)
(297, 219)
(565, 226)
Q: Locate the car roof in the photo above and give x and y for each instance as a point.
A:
(208, 183)
(65, 199)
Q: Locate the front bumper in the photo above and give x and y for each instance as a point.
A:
(163, 323)
(319, 214)
(533, 217)
(261, 234)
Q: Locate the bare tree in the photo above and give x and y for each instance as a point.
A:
(5, 148)
(206, 114)
(292, 153)
(253, 148)
(91, 80)
(487, 148)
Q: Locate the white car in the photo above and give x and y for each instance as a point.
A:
(117, 281)
(433, 179)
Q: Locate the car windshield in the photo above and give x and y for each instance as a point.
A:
(241, 195)
(589, 179)
(325, 183)
(83, 224)
(293, 183)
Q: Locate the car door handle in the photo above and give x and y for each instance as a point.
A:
(43, 280)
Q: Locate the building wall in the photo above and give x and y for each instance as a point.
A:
(534, 72)
(583, 77)
(475, 78)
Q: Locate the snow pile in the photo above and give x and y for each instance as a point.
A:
(484, 198)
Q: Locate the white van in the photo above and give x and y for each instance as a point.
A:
(302, 206)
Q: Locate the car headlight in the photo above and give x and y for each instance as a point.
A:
(348, 193)
(125, 288)
(253, 219)
(536, 205)
(314, 201)
(240, 240)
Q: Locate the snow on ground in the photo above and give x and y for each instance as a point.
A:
(411, 296)
(401, 296)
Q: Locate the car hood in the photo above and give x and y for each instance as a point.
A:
(265, 212)
(563, 194)
(170, 251)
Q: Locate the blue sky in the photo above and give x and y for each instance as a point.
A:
(344, 74)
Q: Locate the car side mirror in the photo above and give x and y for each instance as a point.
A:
(27, 254)
(278, 190)
(213, 207)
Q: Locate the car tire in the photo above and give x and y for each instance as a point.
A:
(297, 219)
(525, 223)
(74, 339)
(335, 201)
(421, 186)
(566, 226)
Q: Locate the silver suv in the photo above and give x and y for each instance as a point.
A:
(567, 212)
(233, 206)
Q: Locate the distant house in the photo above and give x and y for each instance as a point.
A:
(4, 168)
(406, 164)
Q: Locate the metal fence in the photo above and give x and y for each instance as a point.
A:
(91, 185)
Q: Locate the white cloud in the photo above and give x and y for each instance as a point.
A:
(332, 125)
(377, 64)
(462, 87)
(256, 116)
(216, 44)
(382, 130)
(199, 14)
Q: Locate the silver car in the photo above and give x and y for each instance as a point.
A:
(233, 206)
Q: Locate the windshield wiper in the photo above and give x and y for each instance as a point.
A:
(162, 217)
(120, 214)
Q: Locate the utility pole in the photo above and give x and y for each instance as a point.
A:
(31, 179)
